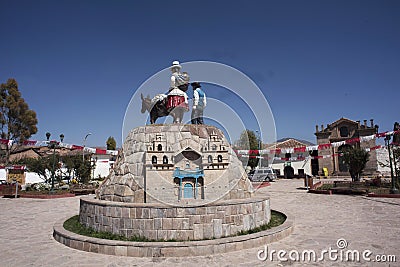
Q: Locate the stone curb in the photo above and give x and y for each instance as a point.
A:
(47, 196)
(384, 195)
(108, 203)
(172, 249)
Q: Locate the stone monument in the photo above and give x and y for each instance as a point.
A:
(176, 182)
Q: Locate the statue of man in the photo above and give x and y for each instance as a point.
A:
(177, 97)
(199, 103)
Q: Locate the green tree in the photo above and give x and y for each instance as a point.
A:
(81, 169)
(42, 166)
(355, 158)
(249, 141)
(17, 121)
(111, 143)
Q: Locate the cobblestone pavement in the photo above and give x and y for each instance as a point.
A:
(320, 220)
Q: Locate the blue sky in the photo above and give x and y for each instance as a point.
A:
(78, 63)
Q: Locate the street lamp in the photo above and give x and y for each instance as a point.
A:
(393, 190)
(84, 142)
(53, 145)
(259, 147)
(94, 161)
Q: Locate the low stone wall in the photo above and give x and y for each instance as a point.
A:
(159, 222)
(173, 249)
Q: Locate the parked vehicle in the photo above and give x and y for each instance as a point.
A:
(262, 174)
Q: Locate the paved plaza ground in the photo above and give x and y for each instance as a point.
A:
(320, 220)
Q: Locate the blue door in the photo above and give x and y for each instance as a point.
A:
(188, 191)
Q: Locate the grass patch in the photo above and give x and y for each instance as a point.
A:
(277, 219)
(73, 225)
(326, 187)
(379, 190)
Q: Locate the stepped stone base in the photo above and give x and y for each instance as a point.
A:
(173, 249)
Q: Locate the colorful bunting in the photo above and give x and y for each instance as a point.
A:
(76, 147)
(278, 151)
(254, 153)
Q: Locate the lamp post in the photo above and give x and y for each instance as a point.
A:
(393, 190)
(259, 147)
(53, 145)
(94, 161)
(83, 150)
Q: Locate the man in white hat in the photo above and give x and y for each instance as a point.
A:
(177, 98)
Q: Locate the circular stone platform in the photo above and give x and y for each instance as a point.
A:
(174, 183)
(172, 249)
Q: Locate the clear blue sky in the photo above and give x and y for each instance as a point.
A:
(78, 63)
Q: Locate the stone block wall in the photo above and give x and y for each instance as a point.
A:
(159, 222)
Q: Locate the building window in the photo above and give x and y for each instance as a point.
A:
(154, 159)
(344, 131)
(210, 159)
(187, 166)
(165, 160)
(159, 147)
(219, 158)
(214, 147)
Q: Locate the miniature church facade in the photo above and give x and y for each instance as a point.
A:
(185, 168)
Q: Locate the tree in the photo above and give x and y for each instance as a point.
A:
(249, 141)
(81, 169)
(111, 143)
(42, 166)
(355, 158)
(17, 121)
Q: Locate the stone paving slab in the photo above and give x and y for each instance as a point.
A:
(320, 220)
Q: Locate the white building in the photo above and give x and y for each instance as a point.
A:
(103, 165)
(289, 161)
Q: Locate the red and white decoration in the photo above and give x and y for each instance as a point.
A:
(257, 153)
(240, 153)
(45, 143)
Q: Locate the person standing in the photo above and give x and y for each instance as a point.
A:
(199, 103)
